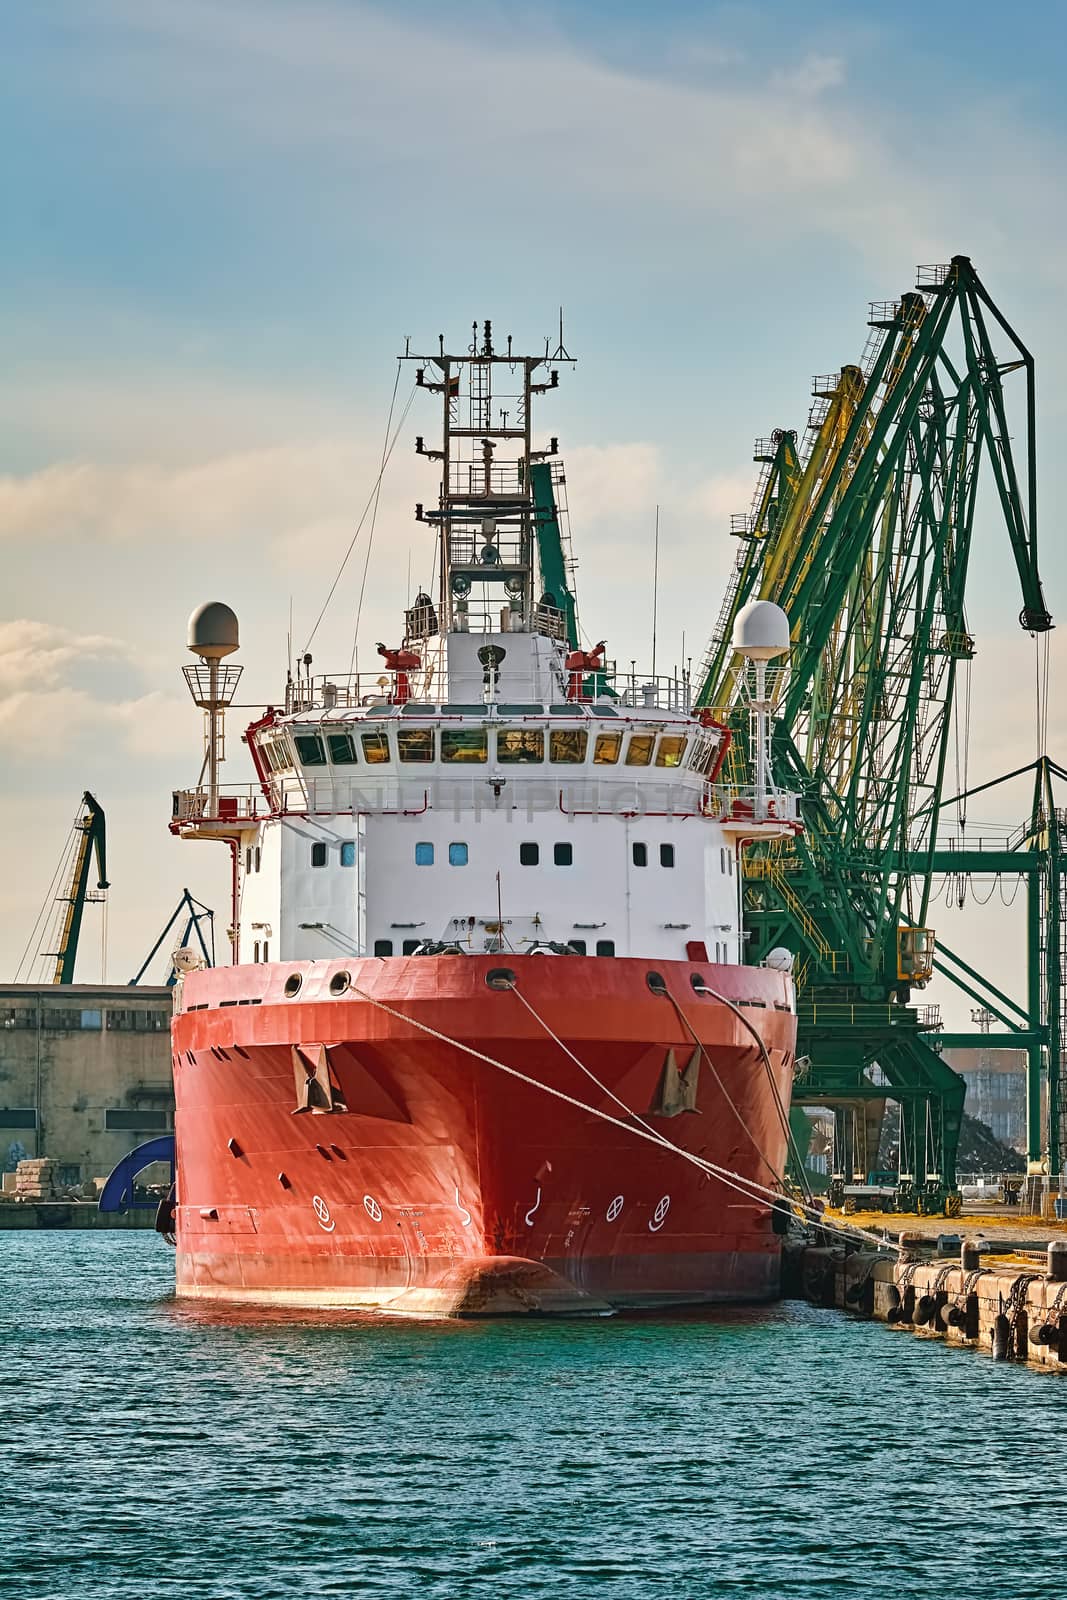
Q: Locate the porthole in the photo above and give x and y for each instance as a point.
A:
(500, 978)
(340, 982)
(293, 984)
(697, 981)
(656, 983)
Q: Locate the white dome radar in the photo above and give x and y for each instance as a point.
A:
(213, 631)
(779, 959)
(761, 631)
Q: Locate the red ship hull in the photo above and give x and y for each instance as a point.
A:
(449, 1186)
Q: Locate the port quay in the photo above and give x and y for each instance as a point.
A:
(533, 967)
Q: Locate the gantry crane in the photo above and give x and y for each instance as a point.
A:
(862, 532)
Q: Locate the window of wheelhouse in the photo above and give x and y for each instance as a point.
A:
(671, 750)
(607, 749)
(517, 745)
(464, 744)
(278, 753)
(375, 747)
(318, 853)
(639, 749)
(348, 853)
(310, 749)
(342, 749)
(415, 744)
(567, 744)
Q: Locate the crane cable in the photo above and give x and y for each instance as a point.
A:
(1041, 676)
(516, 991)
(362, 520)
(783, 1115)
(39, 929)
(732, 1180)
(373, 524)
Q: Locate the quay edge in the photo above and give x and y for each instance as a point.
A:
(1012, 1306)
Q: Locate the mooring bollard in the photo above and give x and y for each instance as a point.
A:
(970, 1255)
(1057, 1261)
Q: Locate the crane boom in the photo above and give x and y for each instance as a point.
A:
(864, 535)
(92, 830)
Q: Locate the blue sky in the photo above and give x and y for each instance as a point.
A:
(223, 217)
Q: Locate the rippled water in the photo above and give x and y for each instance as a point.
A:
(152, 1449)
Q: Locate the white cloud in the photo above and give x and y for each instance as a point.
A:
(47, 706)
(351, 85)
(41, 655)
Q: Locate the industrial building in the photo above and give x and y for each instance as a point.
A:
(85, 1074)
(996, 1089)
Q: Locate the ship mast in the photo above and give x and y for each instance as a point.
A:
(486, 515)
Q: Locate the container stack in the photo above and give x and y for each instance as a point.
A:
(36, 1179)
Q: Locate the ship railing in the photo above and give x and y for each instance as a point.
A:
(736, 803)
(383, 689)
(356, 691)
(235, 803)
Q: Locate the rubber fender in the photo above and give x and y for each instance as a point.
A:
(956, 1316)
(1045, 1333)
(1061, 1342)
(924, 1311)
(971, 1317)
(1001, 1338)
(907, 1310)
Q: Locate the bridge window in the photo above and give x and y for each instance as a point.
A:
(342, 749)
(375, 747)
(607, 749)
(457, 855)
(258, 858)
(310, 749)
(424, 854)
(348, 853)
(464, 744)
(415, 744)
(410, 946)
(671, 750)
(578, 946)
(567, 744)
(514, 745)
(666, 855)
(605, 947)
(529, 855)
(383, 947)
(563, 854)
(318, 854)
(279, 753)
(640, 853)
(639, 750)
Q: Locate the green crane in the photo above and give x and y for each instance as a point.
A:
(863, 534)
(90, 833)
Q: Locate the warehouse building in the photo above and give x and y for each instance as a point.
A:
(85, 1074)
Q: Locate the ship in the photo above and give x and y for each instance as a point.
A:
(488, 1044)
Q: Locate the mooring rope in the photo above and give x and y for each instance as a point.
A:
(748, 1187)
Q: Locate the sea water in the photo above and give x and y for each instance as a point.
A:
(152, 1447)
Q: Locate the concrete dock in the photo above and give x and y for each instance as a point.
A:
(1001, 1288)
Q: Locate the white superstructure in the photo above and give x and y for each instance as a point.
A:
(496, 786)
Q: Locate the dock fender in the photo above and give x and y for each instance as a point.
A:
(924, 1310)
(1000, 1334)
(893, 1296)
